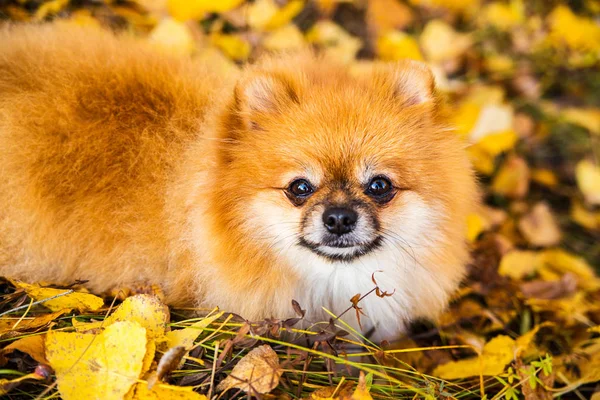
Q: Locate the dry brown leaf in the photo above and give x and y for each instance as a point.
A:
(539, 226)
(257, 372)
(538, 392)
(168, 362)
(566, 286)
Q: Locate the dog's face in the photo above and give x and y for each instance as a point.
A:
(326, 164)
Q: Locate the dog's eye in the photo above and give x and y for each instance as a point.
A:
(379, 187)
(301, 188)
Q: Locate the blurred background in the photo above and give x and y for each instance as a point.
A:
(522, 79)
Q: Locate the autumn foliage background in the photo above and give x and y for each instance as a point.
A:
(523, 81)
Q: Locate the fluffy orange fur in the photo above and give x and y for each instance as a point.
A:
(121, 165)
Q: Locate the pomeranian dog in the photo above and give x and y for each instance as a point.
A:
(296, 179)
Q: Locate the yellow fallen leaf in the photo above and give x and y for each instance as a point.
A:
(458, 6)
(50, 8)
(386, 15)
(32, 345)
(258, 372)
(173, 37)
(10, 324)
(539, 226)
(259, 13)
(503, 16)
(186, 337)
(233, 46)
(397, 45)
(440, 42)
(342, 391)
(6, 385)
(525, 344)
(103, 366)
(285, 14)
(486, 95)
(550, 264)
(544, 177)
(476, 224)
(588, 181)
(84, 18)
(154, 6)
(86, 327)
(570, 30)
(493, 119)
(587, 117)
(361, 392)
(495, 355)
(75, 300)
(287, 38)
(149, 357)
(512, 180)
(553, 263)
(147, 310)
(497, 143)
(184, 10)
(500, 64)
(465, 117)
(482, 161)
(338, 43)
(215, 58)
(517, 264)
(162, 391)
(327, 6)
(570, 310)
(584, 217)
(590, 368)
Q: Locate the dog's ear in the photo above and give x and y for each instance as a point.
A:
(415, 82)
(410, 81)
(261, 94)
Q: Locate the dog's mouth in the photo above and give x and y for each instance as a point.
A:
(341, 250)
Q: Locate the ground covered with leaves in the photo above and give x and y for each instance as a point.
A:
(523, 80)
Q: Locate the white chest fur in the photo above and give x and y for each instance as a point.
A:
(402, 266)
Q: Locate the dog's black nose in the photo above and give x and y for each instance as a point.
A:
(339, 220)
